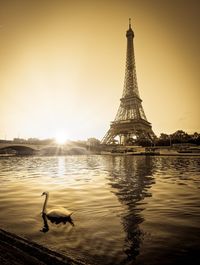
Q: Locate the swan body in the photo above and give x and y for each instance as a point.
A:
(59, 212)
(55, 213)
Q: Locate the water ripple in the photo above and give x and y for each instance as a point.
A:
(126, 209)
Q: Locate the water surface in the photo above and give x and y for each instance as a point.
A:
(127, 210)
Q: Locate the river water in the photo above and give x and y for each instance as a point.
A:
(127, 209)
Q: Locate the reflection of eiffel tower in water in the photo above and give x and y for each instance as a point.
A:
(131, 178)
(130, 123)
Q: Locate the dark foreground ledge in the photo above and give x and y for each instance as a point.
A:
(15, 250)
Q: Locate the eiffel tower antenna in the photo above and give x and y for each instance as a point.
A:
(129, 23)
(130, 123)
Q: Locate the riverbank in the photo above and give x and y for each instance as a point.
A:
(15, 250)
(178, 150)
(151, 151)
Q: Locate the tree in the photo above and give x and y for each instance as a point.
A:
(93, 141)
(180, 137)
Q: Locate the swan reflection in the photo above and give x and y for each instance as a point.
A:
(61, 220)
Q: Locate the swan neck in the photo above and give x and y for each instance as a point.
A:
(45, 203)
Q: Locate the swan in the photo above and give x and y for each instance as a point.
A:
(57, 215)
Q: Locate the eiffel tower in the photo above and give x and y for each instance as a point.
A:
(130, 124)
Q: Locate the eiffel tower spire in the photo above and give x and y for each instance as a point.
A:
(130, 82)
(130, 122)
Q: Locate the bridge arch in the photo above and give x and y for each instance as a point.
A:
(19, 149)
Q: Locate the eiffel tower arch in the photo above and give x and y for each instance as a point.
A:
(130, 124)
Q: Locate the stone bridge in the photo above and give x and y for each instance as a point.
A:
(24, 148)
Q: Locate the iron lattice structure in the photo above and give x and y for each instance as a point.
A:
(130, 123)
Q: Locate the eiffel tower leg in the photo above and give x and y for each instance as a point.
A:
(109, 138)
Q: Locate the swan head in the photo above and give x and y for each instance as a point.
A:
(45, 193)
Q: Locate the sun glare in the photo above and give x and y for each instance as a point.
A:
(60, 138)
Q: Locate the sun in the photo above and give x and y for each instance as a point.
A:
(60, 138)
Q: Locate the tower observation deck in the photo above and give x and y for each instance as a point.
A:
(130, 124)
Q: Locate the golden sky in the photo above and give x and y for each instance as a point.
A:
(63, 62)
